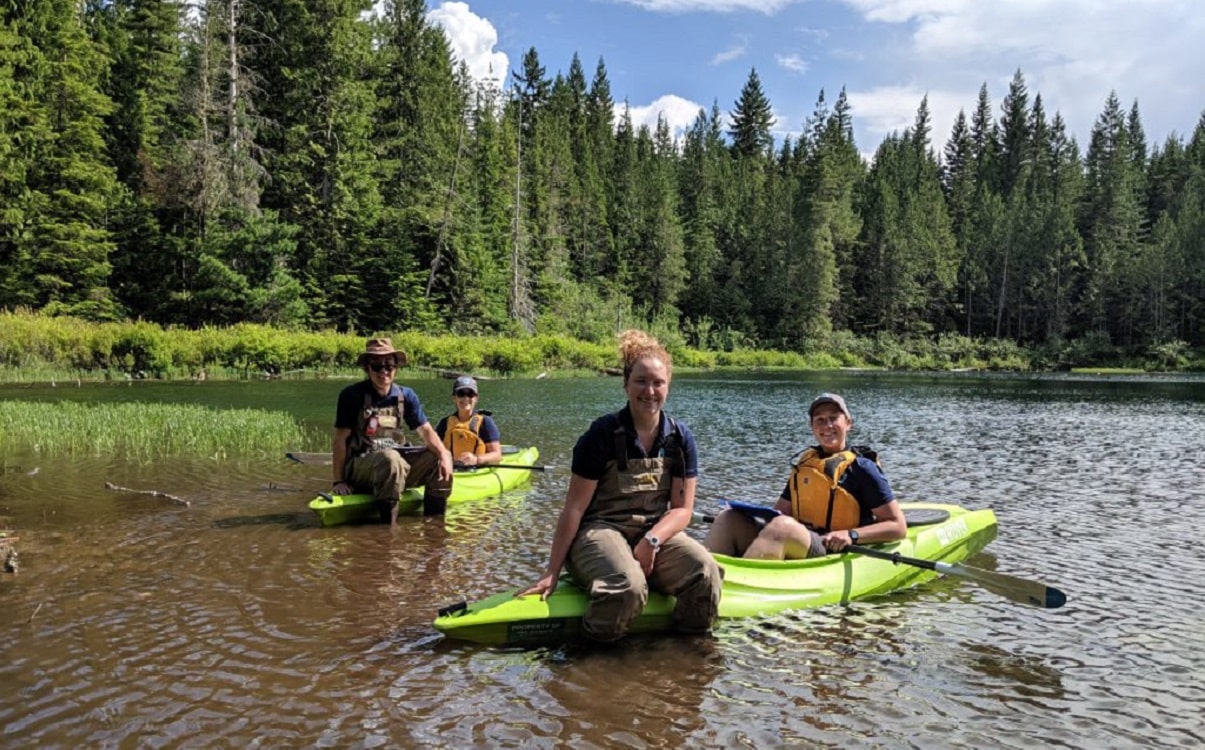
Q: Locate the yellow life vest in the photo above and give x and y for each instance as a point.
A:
(463, 436)
(817, 499)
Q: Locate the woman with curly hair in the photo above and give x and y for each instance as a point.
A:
(630, 498)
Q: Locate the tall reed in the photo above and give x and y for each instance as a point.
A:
(143, 431)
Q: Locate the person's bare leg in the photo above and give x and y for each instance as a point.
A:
(731, 532)
(784, 538)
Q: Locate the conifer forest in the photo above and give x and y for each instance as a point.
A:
(305, 164)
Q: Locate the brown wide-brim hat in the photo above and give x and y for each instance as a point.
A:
(381, 348)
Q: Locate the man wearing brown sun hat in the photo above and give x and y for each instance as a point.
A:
(369, 448)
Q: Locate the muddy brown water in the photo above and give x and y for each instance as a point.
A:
(237, 621)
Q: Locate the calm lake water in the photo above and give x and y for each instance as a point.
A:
(239, 622)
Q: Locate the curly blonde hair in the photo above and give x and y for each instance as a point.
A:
(635, 345)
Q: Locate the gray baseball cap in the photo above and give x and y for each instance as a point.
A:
(830, 398)
(464, 381)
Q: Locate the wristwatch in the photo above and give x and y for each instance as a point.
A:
(653, 540)
(853, 536)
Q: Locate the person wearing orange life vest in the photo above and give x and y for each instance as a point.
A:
(836, 496)
(471, 434)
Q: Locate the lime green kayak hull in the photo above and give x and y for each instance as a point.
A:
(751, 587)
(476, 484)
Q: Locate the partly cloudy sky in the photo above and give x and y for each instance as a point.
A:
(677, 56)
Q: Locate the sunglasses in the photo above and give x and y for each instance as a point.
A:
(465, 393)
(383, 366)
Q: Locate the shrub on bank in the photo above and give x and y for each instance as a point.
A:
(69, 347)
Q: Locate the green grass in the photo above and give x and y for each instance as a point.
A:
(1108, 370)
(146, 431)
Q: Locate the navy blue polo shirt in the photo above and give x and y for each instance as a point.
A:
(597, 446)
(351, 402)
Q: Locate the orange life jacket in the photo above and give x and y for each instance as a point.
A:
(464, 436)
(817, 498)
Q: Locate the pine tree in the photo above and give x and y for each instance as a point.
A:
(1111, 226)
(702, 185)
(20, 114)
(1065, 257)
(752, 120)
(827, 223)
(592, 247)
(958, 179)
(1189, 293)
(1014, 137)
(318, 112)
(659, 272)
(910, 258)
(63, 249)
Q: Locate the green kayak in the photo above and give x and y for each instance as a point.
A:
(467, 484)
(937, 532)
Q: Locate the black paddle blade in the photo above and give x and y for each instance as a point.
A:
(1054, 598)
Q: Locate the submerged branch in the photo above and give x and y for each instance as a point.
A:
(153, 493)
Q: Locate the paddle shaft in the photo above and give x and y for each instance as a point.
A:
(462, 467)
(1019, 590)
(324, 459)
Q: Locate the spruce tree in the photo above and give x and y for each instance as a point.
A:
(64, 246)
(752, 120)
(1112, 226)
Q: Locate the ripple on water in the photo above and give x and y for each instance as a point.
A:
(236, 620)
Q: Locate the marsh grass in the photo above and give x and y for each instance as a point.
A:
(146, 431)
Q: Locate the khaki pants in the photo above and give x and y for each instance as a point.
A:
(602, 563)
(386, 474)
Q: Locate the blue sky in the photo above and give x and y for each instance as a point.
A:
(677, 56)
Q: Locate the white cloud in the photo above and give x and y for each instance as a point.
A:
(793, 63)
(729, 54)
(881, 111)
(679, 113)
(472, 39)
(818, 35)
(1071, 52)
(768, 7)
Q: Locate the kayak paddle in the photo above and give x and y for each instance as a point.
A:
(324, 459)
(463, 467)
(1033, 593)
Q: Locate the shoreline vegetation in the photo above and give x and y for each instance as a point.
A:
(39, 348)
(147, 432)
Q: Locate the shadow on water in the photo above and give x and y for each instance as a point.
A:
(293, 521)
(1032, 677)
